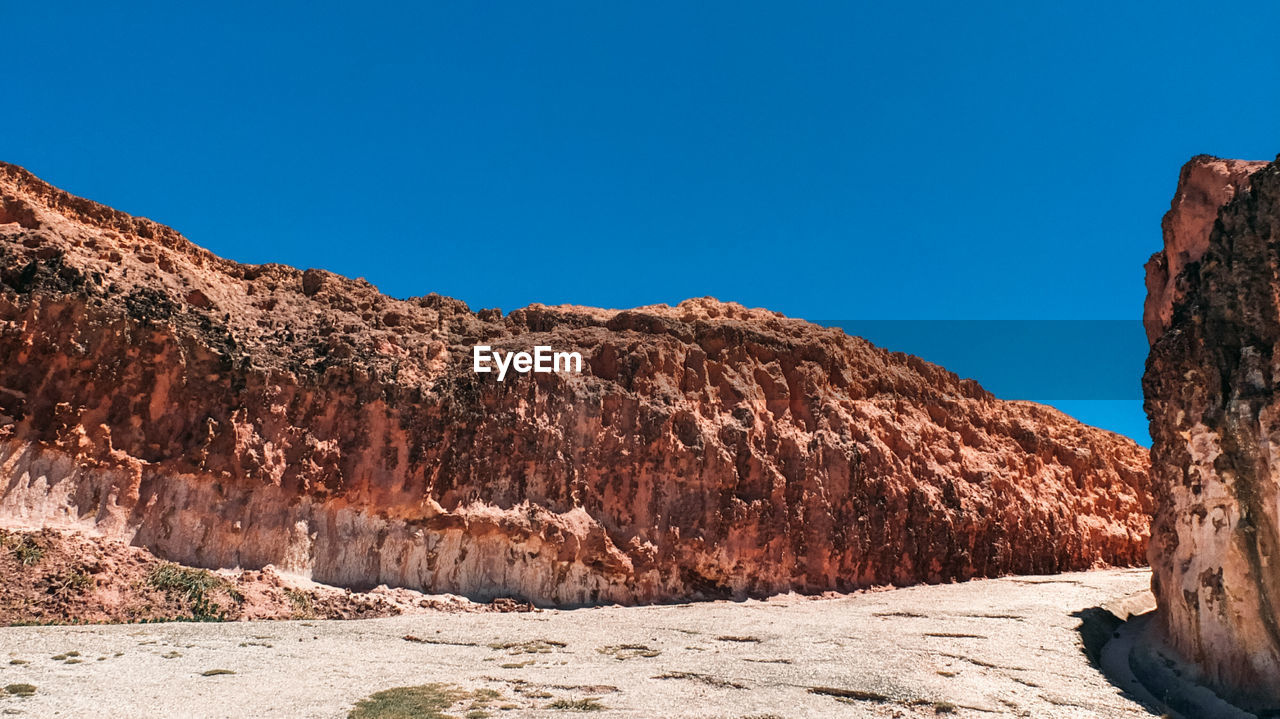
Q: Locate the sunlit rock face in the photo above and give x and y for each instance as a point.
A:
(1204, 185)
(242, 415)
(1211, 397)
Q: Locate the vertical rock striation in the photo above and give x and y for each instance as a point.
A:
(241, 415)
(1213, 316)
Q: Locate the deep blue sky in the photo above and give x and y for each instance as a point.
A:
(942, 160)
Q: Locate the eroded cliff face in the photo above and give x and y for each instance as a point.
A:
(1211, 397)
(1204, 186)
(233, 415)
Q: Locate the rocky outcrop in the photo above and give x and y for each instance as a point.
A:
(1211, 396)
(228, 415)
(1204, 185)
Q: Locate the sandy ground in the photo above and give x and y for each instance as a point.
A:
(1004, 647)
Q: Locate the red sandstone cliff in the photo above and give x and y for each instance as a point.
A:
(238, 415)
(1213, 316)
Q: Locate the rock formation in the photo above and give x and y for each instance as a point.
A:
(1213, 316)
(228, 415)
(69, 577)
(1204, 185)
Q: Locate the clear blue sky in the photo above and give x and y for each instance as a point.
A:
(829, 160)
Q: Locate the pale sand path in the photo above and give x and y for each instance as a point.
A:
(1004, 647)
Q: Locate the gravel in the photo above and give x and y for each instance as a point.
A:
(989, 648)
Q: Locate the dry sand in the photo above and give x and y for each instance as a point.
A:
(990, 648)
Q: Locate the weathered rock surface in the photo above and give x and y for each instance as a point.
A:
(229, 415)
(1211, 396)
(70, 577)
(1204, 185)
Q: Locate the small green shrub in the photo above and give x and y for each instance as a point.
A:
(192, 586)
(532, 646)
(428, 701)
(21, 690)
(589, 704)
(623, 652)
(303, 607)
(26, 550)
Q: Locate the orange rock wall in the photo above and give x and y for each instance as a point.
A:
(234, 415)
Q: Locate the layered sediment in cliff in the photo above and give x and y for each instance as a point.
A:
(229, 415)
(72, 577)
(1211, 397)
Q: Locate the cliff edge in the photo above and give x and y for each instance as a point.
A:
(229, 415)
(1211, 396)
